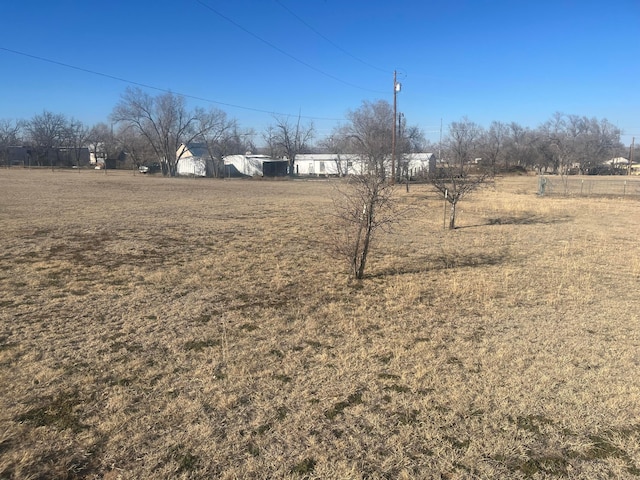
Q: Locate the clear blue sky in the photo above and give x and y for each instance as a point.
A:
(488, 60)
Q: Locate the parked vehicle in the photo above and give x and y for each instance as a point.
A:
(151, 168)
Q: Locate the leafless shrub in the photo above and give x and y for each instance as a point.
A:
(363, 205)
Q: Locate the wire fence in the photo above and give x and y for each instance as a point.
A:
(589, 186)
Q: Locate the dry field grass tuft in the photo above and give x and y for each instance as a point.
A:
(192, 328)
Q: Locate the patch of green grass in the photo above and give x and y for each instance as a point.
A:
(305, 467)
(385, 359)
(283, 378)
(199, 345)
(277, 353)
(4, 345)
(281, 413)
(253, 449)
(453, 360)
(59, 412)
(264, 428)
(203, 318)
(409, 417)
(338, 408)
(535, 465)
(602, 448)
(456, 443)
(531, 423)
(397, 388)
(187, 461)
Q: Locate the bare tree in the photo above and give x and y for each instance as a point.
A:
(10, 135)
(368, 134)
(76, 138)
(226, 140)
(454, 185)
(362, 208)
(46, 132)
(367, 203)
(165, 123)
(288, 139)
(459, 177)
(135, 147)
(462, 141)
(492, 144)
(105, 145)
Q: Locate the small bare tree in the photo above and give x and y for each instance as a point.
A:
(362, 208)
(454, 184)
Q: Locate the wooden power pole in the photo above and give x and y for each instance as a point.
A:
(631, 149)
(393, 133)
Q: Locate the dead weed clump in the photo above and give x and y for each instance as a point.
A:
(203, 329)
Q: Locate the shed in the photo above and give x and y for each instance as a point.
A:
(194, 160)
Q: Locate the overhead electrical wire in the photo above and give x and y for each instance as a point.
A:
(160, 89)
(335, 45)
(283, 52)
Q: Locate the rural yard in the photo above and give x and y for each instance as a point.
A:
(157, 327)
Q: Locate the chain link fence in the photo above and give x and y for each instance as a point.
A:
(569, 185)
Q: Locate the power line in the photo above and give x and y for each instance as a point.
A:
(159, 89)
(329, 40)
(287, 54)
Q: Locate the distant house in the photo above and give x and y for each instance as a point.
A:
(195, 160)
(250, 165)
(19, 155)
(617, 162)
(419, 164)
(71, 156)
(52, 156)
(326, 164)
(333, 164)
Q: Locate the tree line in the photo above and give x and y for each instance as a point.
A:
(144, 129)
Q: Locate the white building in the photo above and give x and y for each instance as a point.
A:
(249, 165)
(333, 164)
(194, 160)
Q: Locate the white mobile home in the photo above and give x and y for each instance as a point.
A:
(333, 164)
(327, 164)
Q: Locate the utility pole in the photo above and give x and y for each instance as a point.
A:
(396, 89)
(631, 148)
(393, 133)
(440, 144)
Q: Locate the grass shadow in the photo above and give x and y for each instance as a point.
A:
(444, 261)
(528, 219)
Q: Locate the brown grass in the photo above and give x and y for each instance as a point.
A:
(173, 328)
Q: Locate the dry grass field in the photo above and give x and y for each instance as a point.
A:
(198, 328)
